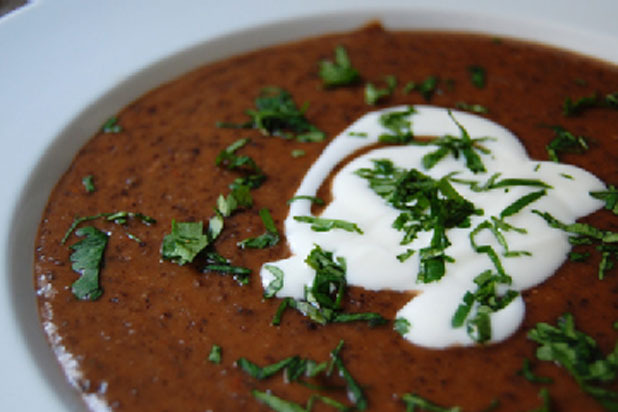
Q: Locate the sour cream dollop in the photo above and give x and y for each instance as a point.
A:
(371, 257)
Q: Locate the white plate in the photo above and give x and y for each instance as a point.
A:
(67, 64)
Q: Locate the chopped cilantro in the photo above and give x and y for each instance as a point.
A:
(323, 302)
(579, 354)
(88, 182)
(319, 224)
(215, 354)
(398, 124)
(186, 240)
(340, 71)
(413, 401)
(546, 406)
(426, 88)
(609, 196)
(268, 239)
(120, 218)
(402, 326)
(575, 107)
(86, 260)
(426, 205)
(478, 76)
(565, 141)
(494, 183)
(313, 199)
(374, 94)
(276, 284)
(585, 234)
(217, 263)
(358, 134)
(111, 126)
(473, 108)
(296, 153)
(276, 114)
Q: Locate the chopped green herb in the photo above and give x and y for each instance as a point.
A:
(276, 284)
(186, 240)
(323, 302)
(426, 205)
(267, 239)
(398, 124)
(120, 218)
(358, 134)
(478, 76)
(86, 260)
(215, 354)
(276, 114)
(374, 94)
(465, 145)
(473, 108)
(609, 196)
(296, 153)
(575, 107)
(565, 141)
(340, 71)
(402, 257)
(426, 88)
(313, 199)
(526, 372)
(88, 182)
(319, 224)
(402, 326)
(217, 263)
(111, 126)
(579, 354)
(354, 390)
(413, 401)
(522, 202)
(585, 234)
(494, 183)
(276, 403)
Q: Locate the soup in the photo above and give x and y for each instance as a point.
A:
(189, 329)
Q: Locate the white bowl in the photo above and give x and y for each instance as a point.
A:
(65, 65)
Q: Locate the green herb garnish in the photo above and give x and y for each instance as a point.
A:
(111, 126)
(276, 114)
(426, 88)
(217, 263)
(268, 239)
(575, 107)
(312, 199)
(473, 108)
(579, 354)
(398, 124)
(402, 326)
(86, 260)
(374, 94)
(276, 284)
(296, 153)
(215, 354)
(528, 374)
(565, 141)
(88, 182)
(478, 76)
(183, 244)
(413, 401)
(120, 218)
(609, 196)
(319, 224)
(340, 71)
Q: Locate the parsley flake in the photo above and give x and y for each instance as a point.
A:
(373, 94)
(268, 239)
(183, 244)
(86, 260)
(340, 71)
(319, 224)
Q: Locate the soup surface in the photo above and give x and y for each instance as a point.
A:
(146, 343)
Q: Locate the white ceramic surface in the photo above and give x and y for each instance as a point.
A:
(67, 64)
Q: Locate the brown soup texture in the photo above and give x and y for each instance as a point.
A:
(144, 344)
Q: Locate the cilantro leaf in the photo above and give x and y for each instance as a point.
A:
(473, 108)
(215, 354)
(609, 196)
(374, 94)
(111, 126)
(399, 125)
(86, 260)
(528, 374)
(183, 244)
(414, 401)
(579, 354)
(217, 263)
(313, 199)
(426, 88)
(268, 239)
(478, 76)
(402, 326)
(340, 71)
(276, 403)
(319, 224)
(276, 284)
(88, 182)
(576, 107)
(565, 141)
